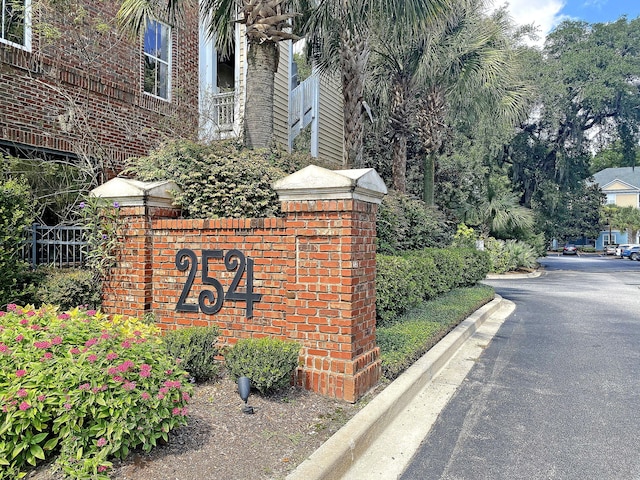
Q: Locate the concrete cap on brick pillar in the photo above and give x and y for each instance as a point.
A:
(134, 193)
(317, 183)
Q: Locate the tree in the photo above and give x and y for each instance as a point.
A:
(466, 65)
(568, 213)
(341, 33)
(627, 219)
(267, 23)
(588, 99)
(612, 156)
(498, 213)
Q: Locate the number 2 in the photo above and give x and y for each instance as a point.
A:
(208, 301)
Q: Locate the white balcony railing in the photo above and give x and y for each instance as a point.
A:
(217, 115)
(303, 106)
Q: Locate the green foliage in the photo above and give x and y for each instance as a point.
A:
(395, 288)
(402, 343)
(613, 156)
(404, 223)
(585, 104)
(195, 348)
(268, 362)
(55, 186)
(572, 213)
(624, 218)
(69, 287)
(101, 233)
(15, 216)
(510, 255)
(83, 387)
(403, 282)
(498, 258)
(304, 66)
(465, 237)
(221, 180)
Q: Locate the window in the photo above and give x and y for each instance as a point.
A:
(15, 29)
(611, 198)
(607, 241)
(157, 59)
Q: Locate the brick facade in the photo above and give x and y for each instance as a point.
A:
(314, 270)
(82, 94)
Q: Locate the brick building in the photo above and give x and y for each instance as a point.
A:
(72, 86)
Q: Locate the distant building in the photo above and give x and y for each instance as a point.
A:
(622, 188)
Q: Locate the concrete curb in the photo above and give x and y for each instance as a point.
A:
(514, 276)
(334, 457)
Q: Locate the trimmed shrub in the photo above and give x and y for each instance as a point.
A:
(405, 223)
(396, 291)
(268, 362)
(68, 288)
(83, 387)
(403, 282)
(194, 348)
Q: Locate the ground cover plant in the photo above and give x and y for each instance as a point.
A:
(83, 388)
(409, 336)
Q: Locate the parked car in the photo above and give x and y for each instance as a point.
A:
(621, 248)
(610, 249)
(570, 249)
(632, 253)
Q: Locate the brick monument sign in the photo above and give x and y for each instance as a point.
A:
(308, 276)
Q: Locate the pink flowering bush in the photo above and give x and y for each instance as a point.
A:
(83, 388)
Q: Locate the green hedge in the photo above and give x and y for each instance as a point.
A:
(403, 342)
(403, 282)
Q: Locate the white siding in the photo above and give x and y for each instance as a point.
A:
(281, 97)
(331, 136)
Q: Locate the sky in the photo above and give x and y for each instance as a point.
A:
(546, 14)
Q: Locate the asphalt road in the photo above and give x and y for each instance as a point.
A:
(556, 394)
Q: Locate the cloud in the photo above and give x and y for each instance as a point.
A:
(544, 14)
(596, 3)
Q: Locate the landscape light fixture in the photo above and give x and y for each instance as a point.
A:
(244, 388)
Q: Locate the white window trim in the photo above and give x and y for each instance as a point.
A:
(27, 27)
(169, 63)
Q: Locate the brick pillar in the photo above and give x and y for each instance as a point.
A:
(128, 289)
(331, 289)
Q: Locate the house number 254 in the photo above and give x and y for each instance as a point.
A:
(210, 301)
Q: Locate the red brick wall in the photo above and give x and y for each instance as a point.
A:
(315, 270)
(83, 93)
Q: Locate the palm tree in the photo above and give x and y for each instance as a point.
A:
(464, 66)
(481, 76)
(499, 213)
(267, 23)
(341, 32)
